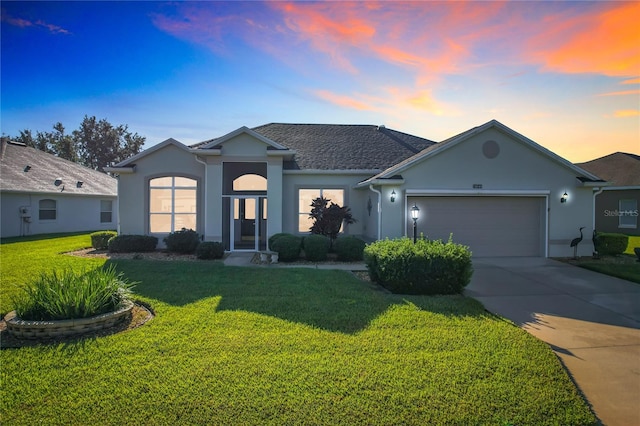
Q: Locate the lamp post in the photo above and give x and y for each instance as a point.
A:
(415, 212)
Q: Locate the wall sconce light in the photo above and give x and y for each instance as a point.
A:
(79, 184)
(564, 197)
(57, 182)
(393, 196)
(415, 213)
(27, 168)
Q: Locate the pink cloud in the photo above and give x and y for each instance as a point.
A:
(25, 23)
(603, 41)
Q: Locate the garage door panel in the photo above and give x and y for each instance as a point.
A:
(490, 226)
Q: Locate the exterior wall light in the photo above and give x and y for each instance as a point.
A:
(393, 196)
(415, 213)
(564, 197)
(57, 182)
(79, 184)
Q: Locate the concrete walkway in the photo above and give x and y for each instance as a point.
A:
(590, 320)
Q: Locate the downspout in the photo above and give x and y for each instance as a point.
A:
(205, 193)
(379, 209)
(598, 191)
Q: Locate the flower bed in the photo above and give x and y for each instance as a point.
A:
(27, 329)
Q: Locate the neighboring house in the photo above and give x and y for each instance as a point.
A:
(492, 188)
(41, 193)
(616, 208)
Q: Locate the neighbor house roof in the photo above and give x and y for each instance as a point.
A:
(619, 168)
(338, 146)
(26, 169)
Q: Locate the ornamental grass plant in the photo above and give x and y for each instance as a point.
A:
(68, 294)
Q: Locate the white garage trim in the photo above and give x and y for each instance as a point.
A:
(482, 193)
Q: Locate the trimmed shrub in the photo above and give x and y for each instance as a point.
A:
(426, 267)
(316, 247)
(288, 247)
(610, 244)
(70, 295)
(132, 243)
(274, 237)
(100, 239)
(210, 250)
(182, 241)
(349, 248)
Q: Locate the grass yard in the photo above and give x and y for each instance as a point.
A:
(281, 346)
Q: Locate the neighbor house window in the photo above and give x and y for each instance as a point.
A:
(628, 214)
(172, 204)
(47, 210)
(106, 211)
(306, 196)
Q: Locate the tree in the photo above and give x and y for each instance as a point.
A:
(96, 144)
(100, 144)
(328, 218)
(56, 142)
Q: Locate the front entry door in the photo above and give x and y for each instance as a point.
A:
(249, 223)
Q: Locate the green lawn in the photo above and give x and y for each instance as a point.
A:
(282, 346)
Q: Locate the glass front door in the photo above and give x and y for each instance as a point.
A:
(249, 223)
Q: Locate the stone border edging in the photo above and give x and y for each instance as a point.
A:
(27, 329)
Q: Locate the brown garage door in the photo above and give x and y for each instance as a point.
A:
(490, 226)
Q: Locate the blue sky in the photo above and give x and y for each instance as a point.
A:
(565, 74)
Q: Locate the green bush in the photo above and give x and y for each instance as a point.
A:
(182, 241)
(288, 247)
(610, 244)
(132, 243)
(210, 250)
(316, 247)
(349, 248)
(100, 239)
(426, 267)
(71, 295)
(274, 237)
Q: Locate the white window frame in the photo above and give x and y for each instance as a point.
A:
(172, 211)
(54, 210)
(103, 211)
(301, 214)
(628, 215)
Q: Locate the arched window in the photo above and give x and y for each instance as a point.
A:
(47, 210)
(250, 182)
(172, 204)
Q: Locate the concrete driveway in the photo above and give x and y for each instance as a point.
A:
(590, 320)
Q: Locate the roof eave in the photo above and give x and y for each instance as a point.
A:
(125, 170)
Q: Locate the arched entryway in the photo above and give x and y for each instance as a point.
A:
(245, 206)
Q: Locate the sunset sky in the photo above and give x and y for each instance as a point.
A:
(565, 74)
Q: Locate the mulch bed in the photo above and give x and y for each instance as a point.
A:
(140, 314)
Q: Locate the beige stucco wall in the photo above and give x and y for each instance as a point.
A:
(133, 189)
(355, 199)
(74, 214)
(517, 168)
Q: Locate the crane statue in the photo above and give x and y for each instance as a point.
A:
(575, 242)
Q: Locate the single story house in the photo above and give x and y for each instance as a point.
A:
(41, 193)
(492, 188)
(617, 204)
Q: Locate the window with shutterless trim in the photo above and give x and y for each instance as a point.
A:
(172, 204)
(307, 195)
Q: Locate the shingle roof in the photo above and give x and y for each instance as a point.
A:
(341, 147)
(44, 169)
(619, 168)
